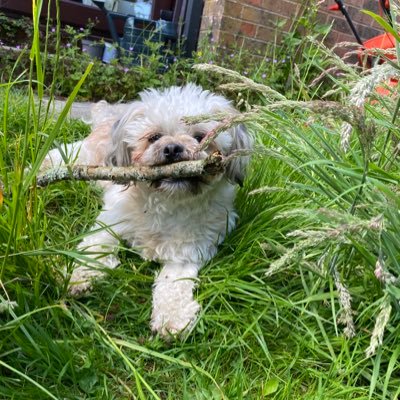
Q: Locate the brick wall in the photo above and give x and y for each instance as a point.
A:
(341, 32)
(253, 22)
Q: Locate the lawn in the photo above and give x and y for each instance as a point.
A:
(301, 301)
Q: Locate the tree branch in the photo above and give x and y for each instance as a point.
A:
(212, 165)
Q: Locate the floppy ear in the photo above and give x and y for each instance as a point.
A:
(120, 152)
(236, 169)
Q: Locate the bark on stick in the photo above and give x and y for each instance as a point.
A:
(212, 165)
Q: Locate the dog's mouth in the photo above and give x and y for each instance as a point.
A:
(192, 185)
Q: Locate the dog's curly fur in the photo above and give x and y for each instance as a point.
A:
(177, 222)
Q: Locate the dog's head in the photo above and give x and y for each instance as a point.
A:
(153, 133)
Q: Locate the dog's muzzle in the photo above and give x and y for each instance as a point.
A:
(173, 153)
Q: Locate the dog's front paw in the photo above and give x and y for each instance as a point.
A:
(169, 319)
(82, 279)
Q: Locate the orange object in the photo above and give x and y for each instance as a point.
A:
(370, 52)
(384, 90)
(380, 42)
(384, 41)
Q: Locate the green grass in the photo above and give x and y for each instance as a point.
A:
(257, 336)
(273, 298)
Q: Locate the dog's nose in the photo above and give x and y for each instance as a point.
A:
(173, 152)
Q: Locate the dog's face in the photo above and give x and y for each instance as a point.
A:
(154, 133)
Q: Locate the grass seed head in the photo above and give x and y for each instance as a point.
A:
(381, 321)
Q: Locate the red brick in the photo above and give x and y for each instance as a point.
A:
(341, 25)
(368, 32)
(357, 16)
(344, 37)
(252, 14)
(255, 2)
(266, 34)
(231, 41)
(268, 19)
(323, 17)
(371, 5)
(248, 29)
(285, 8)
(288, 8)
(231, 25)
(227, 39)
(233, 9)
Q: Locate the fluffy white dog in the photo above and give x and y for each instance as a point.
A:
(176, 222)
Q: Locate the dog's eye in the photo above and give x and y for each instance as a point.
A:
(199, 136)
(154, 138)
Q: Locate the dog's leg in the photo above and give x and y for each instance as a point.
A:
(101, 248)
(174, 308)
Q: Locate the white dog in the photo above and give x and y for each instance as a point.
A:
(177, 222)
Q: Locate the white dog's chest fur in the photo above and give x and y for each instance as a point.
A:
(171, 228)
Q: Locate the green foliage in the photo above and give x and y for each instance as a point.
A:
(280, 66)
(15, 31)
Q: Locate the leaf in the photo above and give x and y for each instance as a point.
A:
(88, 381)
(383, 23)
(393, 291)
(271, 386)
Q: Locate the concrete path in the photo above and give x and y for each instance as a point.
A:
(79, 110)
(91, 113)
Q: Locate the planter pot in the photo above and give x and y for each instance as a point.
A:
(95, 50)
(139, 8)
(110, 53)
(126, 7)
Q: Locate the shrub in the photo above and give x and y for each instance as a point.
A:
(280, 66)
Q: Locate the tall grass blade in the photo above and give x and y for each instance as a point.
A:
(26, 377)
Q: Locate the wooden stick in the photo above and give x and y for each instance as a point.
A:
(212, 165)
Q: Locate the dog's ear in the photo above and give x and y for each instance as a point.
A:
(120, 152)
(236, 169)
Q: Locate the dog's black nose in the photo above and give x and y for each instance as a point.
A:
(173, 152)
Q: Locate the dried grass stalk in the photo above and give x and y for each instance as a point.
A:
(245, 83)
(346, 314)
(380, 324)
(367, 84)
(352, 114)
(7, 305)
